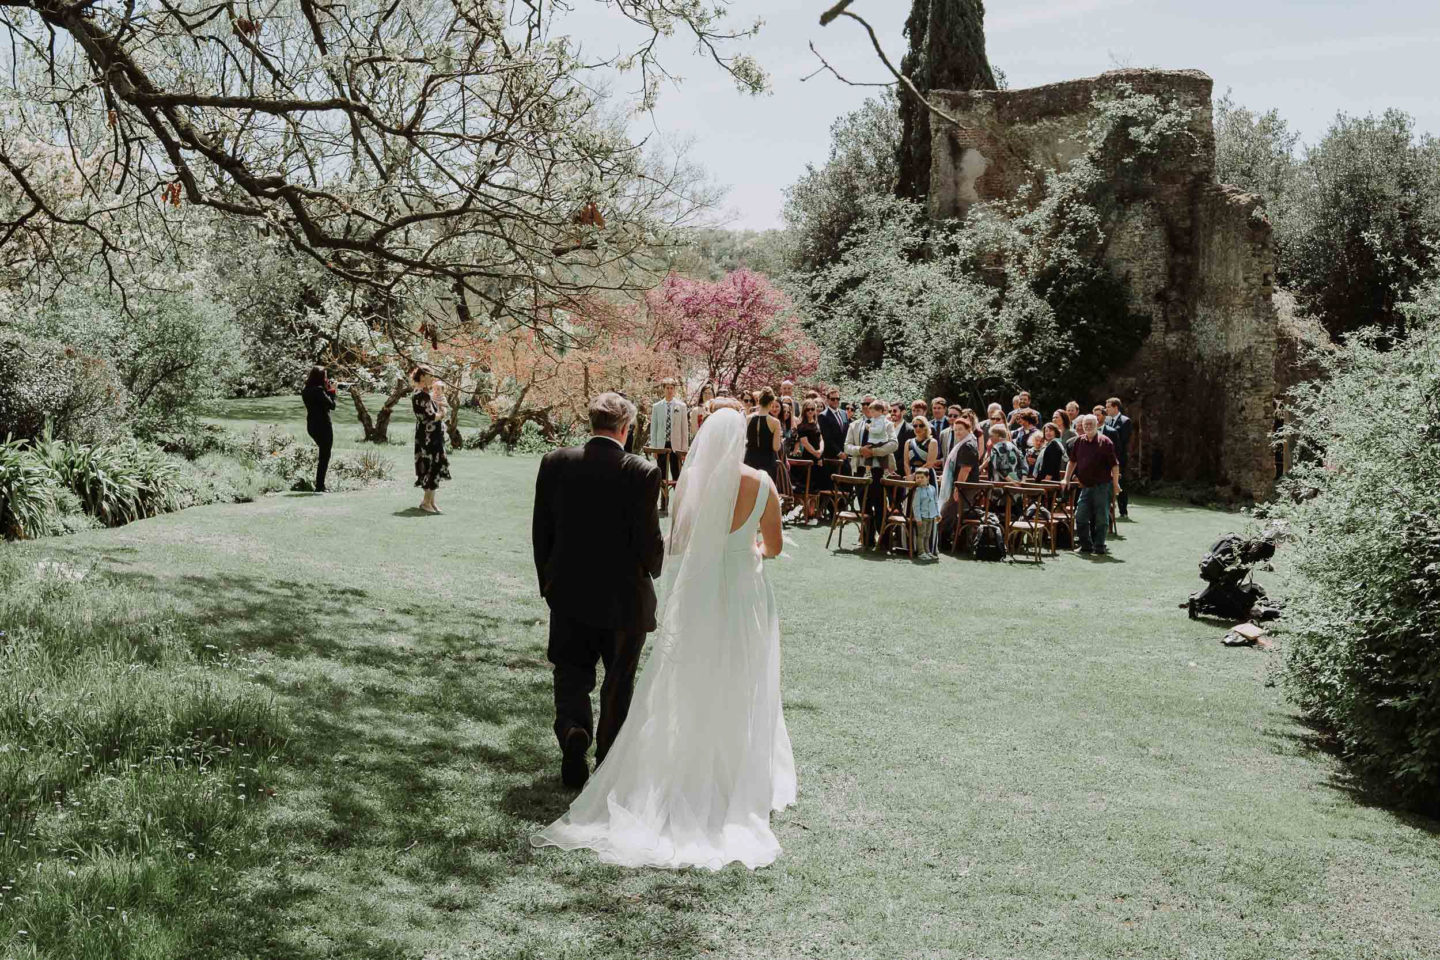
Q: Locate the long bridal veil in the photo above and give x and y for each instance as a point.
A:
(703, 757)
(699, 527)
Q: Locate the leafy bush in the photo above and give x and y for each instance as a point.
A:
(52, 487)
(69, 514)
(268, 442)
(193, 440)
(117, 483)
(43, 382)
(1363, 506)
(294, 467)
(171, 346)
(531, 441)
(27, 505)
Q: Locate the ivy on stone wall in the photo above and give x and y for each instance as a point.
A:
(1018, 292)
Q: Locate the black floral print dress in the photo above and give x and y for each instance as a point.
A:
(431, 464)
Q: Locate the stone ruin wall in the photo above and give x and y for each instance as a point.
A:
(1197, 256)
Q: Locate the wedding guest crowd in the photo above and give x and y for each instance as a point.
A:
(803, 437)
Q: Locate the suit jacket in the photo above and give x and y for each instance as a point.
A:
(833, 427)
(904, 433)
(1119, 428)
(882, 441)
(946, 441)
(679, 425)
(596, 533)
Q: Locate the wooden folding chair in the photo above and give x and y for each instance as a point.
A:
(1062, 513)
(802, 494)
(835, 466)
(899, 512)
(1045, 493)
(977, 496)
(849, 501)
(666, 484)
(1030, 533)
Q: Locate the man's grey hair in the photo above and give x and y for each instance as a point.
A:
(1088, 420)
(611, 413)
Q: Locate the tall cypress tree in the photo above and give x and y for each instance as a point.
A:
(947, 52)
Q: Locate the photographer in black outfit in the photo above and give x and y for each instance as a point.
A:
(319, 397)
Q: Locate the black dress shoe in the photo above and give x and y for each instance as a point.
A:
(574, 771)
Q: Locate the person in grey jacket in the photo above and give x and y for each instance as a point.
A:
(870, 446)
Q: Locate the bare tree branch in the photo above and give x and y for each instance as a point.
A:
(840, 10)
(436, 142)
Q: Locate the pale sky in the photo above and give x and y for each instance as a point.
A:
(1308, 58)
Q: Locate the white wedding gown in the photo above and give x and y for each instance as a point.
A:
(703, 756)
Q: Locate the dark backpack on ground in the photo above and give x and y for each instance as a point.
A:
(1222, 559)
(989, 543)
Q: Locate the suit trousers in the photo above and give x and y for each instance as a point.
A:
(1123, 501)
(669, 464)
(324, 437)
(574, 649)
(875, 504)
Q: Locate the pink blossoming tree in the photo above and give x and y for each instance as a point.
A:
(738, 333)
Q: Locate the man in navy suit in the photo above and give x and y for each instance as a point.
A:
(833, 425)
(1118, 428)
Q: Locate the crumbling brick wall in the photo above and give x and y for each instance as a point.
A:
(1197, 256)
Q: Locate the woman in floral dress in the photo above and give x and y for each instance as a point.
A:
(431, 464)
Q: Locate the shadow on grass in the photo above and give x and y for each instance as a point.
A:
(423, 757)
(1293, 733)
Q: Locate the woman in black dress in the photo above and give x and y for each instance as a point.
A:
(762, 435)
(319, 397)
(810, 445)
(431, 464)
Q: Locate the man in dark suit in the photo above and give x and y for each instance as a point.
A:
(904, 433)
(833, 424)
(1119, 428)
(598, 548)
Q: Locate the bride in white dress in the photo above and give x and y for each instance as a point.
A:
(703, 756)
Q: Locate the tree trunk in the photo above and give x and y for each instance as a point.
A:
(452, 419)
(947, 52)
(377, 430)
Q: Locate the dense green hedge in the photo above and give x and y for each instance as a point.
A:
(1363, 509)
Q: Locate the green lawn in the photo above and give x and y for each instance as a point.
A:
(995, 760)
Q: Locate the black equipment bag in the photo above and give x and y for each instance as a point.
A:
(989, 543)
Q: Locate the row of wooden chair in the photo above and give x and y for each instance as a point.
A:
(1030, 514)
(1011, 504)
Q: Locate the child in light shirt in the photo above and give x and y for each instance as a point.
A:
(927, 512)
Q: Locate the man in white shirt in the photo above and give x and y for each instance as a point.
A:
(669, 430)
(871, 451)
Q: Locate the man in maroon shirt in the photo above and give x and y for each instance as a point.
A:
(1094, 464)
